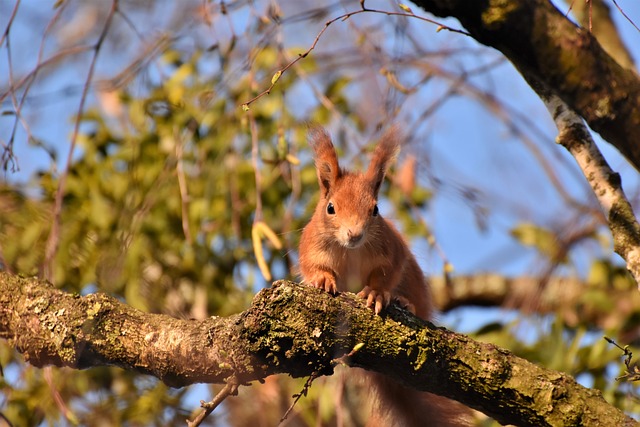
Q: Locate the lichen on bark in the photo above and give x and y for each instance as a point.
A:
(294, 329)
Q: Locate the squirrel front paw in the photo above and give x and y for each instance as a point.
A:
(405, 303)
(324, 280)
(375, 299)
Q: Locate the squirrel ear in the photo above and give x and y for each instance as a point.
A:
(385, 152)
(325, 157)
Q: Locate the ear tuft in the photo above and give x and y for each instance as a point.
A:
(325, 157)
(385, 152)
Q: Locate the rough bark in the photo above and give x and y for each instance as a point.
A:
(297, 330)
(596, 15)
(543, 44)
(605, 183)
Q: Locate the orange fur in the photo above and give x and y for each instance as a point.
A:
(347, 246)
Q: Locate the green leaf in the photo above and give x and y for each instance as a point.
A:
(540, 238)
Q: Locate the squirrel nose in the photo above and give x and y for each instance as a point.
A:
(354, 237)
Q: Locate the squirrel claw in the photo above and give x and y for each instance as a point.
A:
(324, 281)
(376, 300)
(404, 303)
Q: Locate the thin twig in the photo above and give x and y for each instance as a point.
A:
(276, 76)
(7, 149)
(632, 372)
(230, 389)
(509, 116)
(53, 240)
(146, 56)
(51, 60)
(7, 155)
(303, 392)
(625, 15)
(17, 106)
(57, 398)
(14, 12)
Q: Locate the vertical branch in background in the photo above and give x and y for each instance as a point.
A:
(53, 240)
(257, 216)
(260, 228)
(255, 162)
(182, 185)
(287, 153)
(296, 190)
(57, 398)
(7, 155)
(605, 183)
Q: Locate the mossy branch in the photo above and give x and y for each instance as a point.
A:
(543, 44)
(294, 329)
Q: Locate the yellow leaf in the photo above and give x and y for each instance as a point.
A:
(245, 107)
(266, 231)
(275, 77)
(405, 8)
(292, 159)
(257, 250)
(258, 230)
(393, 80)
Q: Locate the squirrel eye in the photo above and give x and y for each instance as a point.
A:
(375, 210)
(330, 209)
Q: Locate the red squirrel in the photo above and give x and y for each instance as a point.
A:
(347, 245)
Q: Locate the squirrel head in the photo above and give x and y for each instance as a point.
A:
(348, 205)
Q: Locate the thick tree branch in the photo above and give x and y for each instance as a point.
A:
(291, 329)
(601, 305)
(597, 17)
(544, 45)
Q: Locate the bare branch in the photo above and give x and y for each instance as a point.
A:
(408, 13)
(53, 240)
(231, 389)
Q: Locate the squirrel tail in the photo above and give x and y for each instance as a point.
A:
(399, 406)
